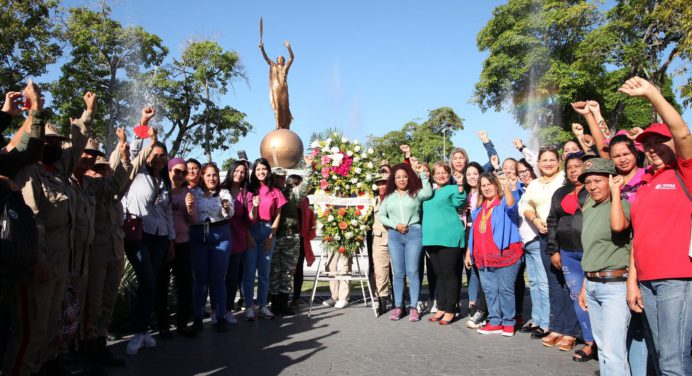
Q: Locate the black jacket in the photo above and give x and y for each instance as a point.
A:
(564, 230)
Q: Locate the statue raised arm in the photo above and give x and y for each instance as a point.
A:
(278, 86)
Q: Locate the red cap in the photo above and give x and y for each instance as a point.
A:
(655, 128)
(142, 131)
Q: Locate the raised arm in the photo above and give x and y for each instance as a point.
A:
(489, 148)
(290, 56)
(639, 87)
(618, 219)
(79, 129)
(264, 54)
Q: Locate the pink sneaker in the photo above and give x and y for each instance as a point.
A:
(507, 331)
(396, 314)
(413, 315)
(490, 329)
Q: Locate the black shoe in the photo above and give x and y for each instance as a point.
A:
(539, 333)
(283, 304)
(186, 331)
(221, 325)
(295, 302)
(108, 359)
(528, 328)
(197, 325)
(166, 334)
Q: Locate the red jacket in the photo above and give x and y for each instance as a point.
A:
(307, 229)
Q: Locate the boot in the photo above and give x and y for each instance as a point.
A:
(276, 306)
(384, 302)
(285, 308)
(92, 358)
(107, 358)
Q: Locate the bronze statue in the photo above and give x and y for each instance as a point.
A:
(278, 86)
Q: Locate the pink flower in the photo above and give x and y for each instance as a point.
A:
(325, 172)
(324, 184)
(325, 159)
(315, 151)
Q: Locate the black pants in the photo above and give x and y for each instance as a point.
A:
(182, 273)
(298, 275)
(444, 262)
(432, 274)
(519, 287)
(234, 276)
(563, 319)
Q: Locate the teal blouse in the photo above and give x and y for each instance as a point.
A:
(441, 223)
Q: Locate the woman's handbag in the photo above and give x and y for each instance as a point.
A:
(132, 227)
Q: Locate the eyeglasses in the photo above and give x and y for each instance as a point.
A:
(177, 171)
(522, 172)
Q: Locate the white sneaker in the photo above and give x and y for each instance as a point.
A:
(420, 307)
(214, 319)
(230, 318)
(433, 307)
(249, 314)
(135, 344)
(341, 304)
(329, 302)
(149, 341)
(265, 313)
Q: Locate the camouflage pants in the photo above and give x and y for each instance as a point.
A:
(284, 261)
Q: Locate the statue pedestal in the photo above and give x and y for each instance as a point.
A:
(282, 148)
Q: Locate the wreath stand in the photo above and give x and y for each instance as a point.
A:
(359, 275)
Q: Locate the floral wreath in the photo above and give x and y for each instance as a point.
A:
(342, 169)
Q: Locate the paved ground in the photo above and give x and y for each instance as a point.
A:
(350, 342)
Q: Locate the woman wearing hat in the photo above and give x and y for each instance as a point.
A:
(660, 277)
(380, 252)
(606, 240)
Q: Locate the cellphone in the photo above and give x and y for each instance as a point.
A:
(242, 155)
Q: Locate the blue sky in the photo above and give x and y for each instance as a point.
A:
(366, 67)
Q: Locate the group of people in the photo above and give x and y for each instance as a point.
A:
(600, 228)
(63, 256)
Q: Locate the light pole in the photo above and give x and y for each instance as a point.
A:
(444, 144)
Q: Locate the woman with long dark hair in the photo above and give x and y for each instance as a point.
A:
(400, 212)
(264, 206)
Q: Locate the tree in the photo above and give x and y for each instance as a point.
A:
(29, 41)
(105, 57)
(544, 54)
(426, 140)
(185, 89)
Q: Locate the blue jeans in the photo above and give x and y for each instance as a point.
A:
(146, 258)
(563, 319)
(667, 303)
(405, 251)
(538, 284)
(610, 319)
(209, 256)
(498, 285)
(637, 350)
(574, 279)
(257, 260)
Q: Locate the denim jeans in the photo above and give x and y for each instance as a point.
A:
(610, 319)
(405, 251)
(498, 285)
(563, 319)
(474, 286)
(210, 256)
(146, 258)
(233, 280)
(574, 279)
(538, 284)
(637, 349)
(258, 260)
(667, 303)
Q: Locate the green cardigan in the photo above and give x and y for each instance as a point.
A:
(397, 208)
(441, 223)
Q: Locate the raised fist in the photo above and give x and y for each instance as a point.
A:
(90, 101)
(581, 107)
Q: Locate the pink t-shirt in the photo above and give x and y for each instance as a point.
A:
(270, 201)
(180, 217)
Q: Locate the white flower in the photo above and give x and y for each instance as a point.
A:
(357, 148)
(337, 158)
(356, 159)
(364, 155)
(330, 218)
(349, 153)
(370, 165)
(354, 181)
(358, 170)
(368, 177)
(314, 144)
(337, 237)
(363, 227)
(327, 141)
(337, 188)
(348, 235)
(356, 141)
(354, 222)
(319, 225)
(344, 140)
(374, 187)
(336, 134)
(359, 185)
(334, 177)
(334, 149)
(348, 186)
(370, 151)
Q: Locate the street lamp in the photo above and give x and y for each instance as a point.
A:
(444, 144)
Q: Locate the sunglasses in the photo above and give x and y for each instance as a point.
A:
(177, 171)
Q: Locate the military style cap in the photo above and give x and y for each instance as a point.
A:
(93, 148)
(53, 131)
(600, 166)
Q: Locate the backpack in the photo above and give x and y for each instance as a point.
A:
(18, 233)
